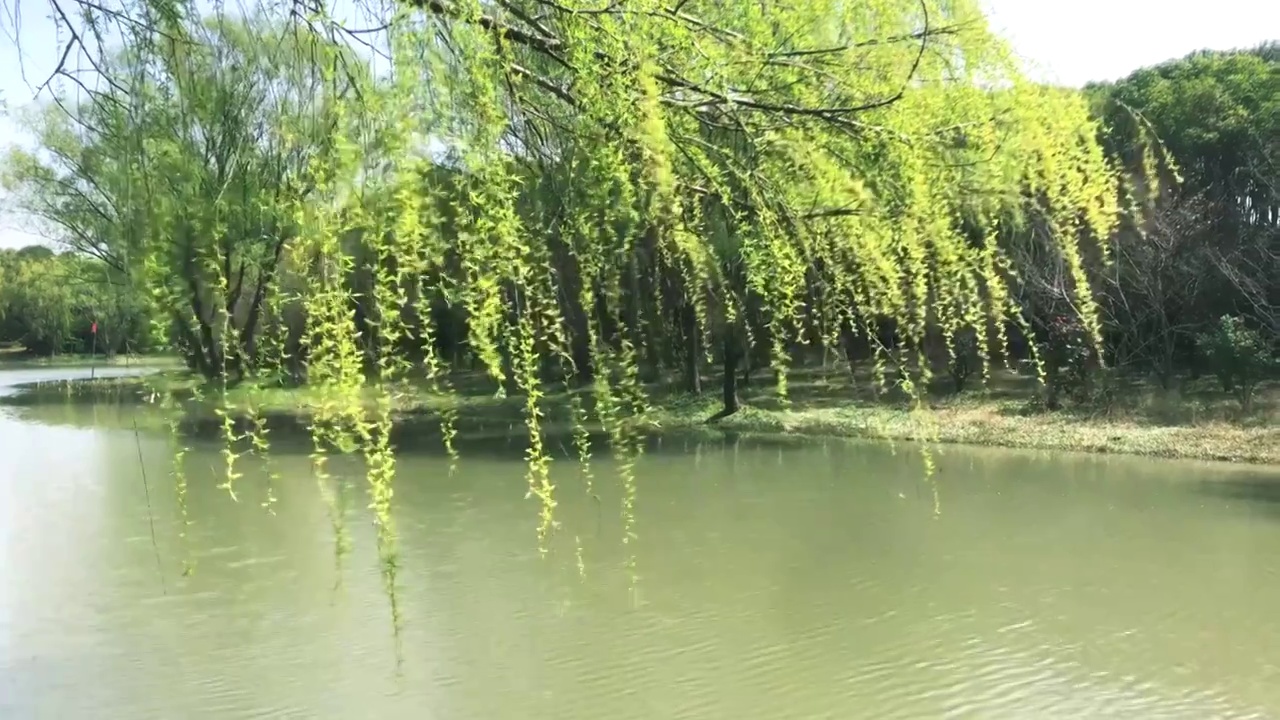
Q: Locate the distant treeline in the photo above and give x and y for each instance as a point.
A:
(49, 303)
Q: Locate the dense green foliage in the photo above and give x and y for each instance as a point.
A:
(1239, 356)
(48, 304)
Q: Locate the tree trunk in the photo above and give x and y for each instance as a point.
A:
(731, 352)
(730, 380)
(851, 350)
(193, 350)
(692, 351)
(581, 349)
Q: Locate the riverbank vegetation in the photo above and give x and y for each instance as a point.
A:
(827, 214)
(1195, 420)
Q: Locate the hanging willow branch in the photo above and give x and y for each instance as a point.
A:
(567, 192)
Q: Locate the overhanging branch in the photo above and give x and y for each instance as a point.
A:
(540, 40)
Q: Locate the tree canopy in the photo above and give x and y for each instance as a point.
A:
(1211, 244)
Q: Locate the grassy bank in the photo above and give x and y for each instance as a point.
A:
(980, 421)
(1194, 421)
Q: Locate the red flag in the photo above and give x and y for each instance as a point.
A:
(94, 329)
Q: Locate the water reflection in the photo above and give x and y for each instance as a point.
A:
(776, 580)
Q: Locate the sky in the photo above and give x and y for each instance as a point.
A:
(1070, 42)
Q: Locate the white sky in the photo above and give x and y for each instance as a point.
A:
(1065, 41)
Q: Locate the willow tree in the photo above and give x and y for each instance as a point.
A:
(184, 172)
(622, 174)
(745, 155)
(871, 149)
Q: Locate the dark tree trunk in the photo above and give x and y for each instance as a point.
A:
(732, 353)
(266, 276)
(582, 356)
(731, 356)
(192, 350)
(692, 351)
(854, 350)
(206, 355)
(1194, 363)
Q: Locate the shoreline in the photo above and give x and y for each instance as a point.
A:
(976, 419)
(16, 360)
(978, 427)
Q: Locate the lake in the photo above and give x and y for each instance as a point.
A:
(820, 579)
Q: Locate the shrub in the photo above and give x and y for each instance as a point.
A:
(1069, 358)
(1238, 356)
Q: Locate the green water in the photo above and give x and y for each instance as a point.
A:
(823, 580)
